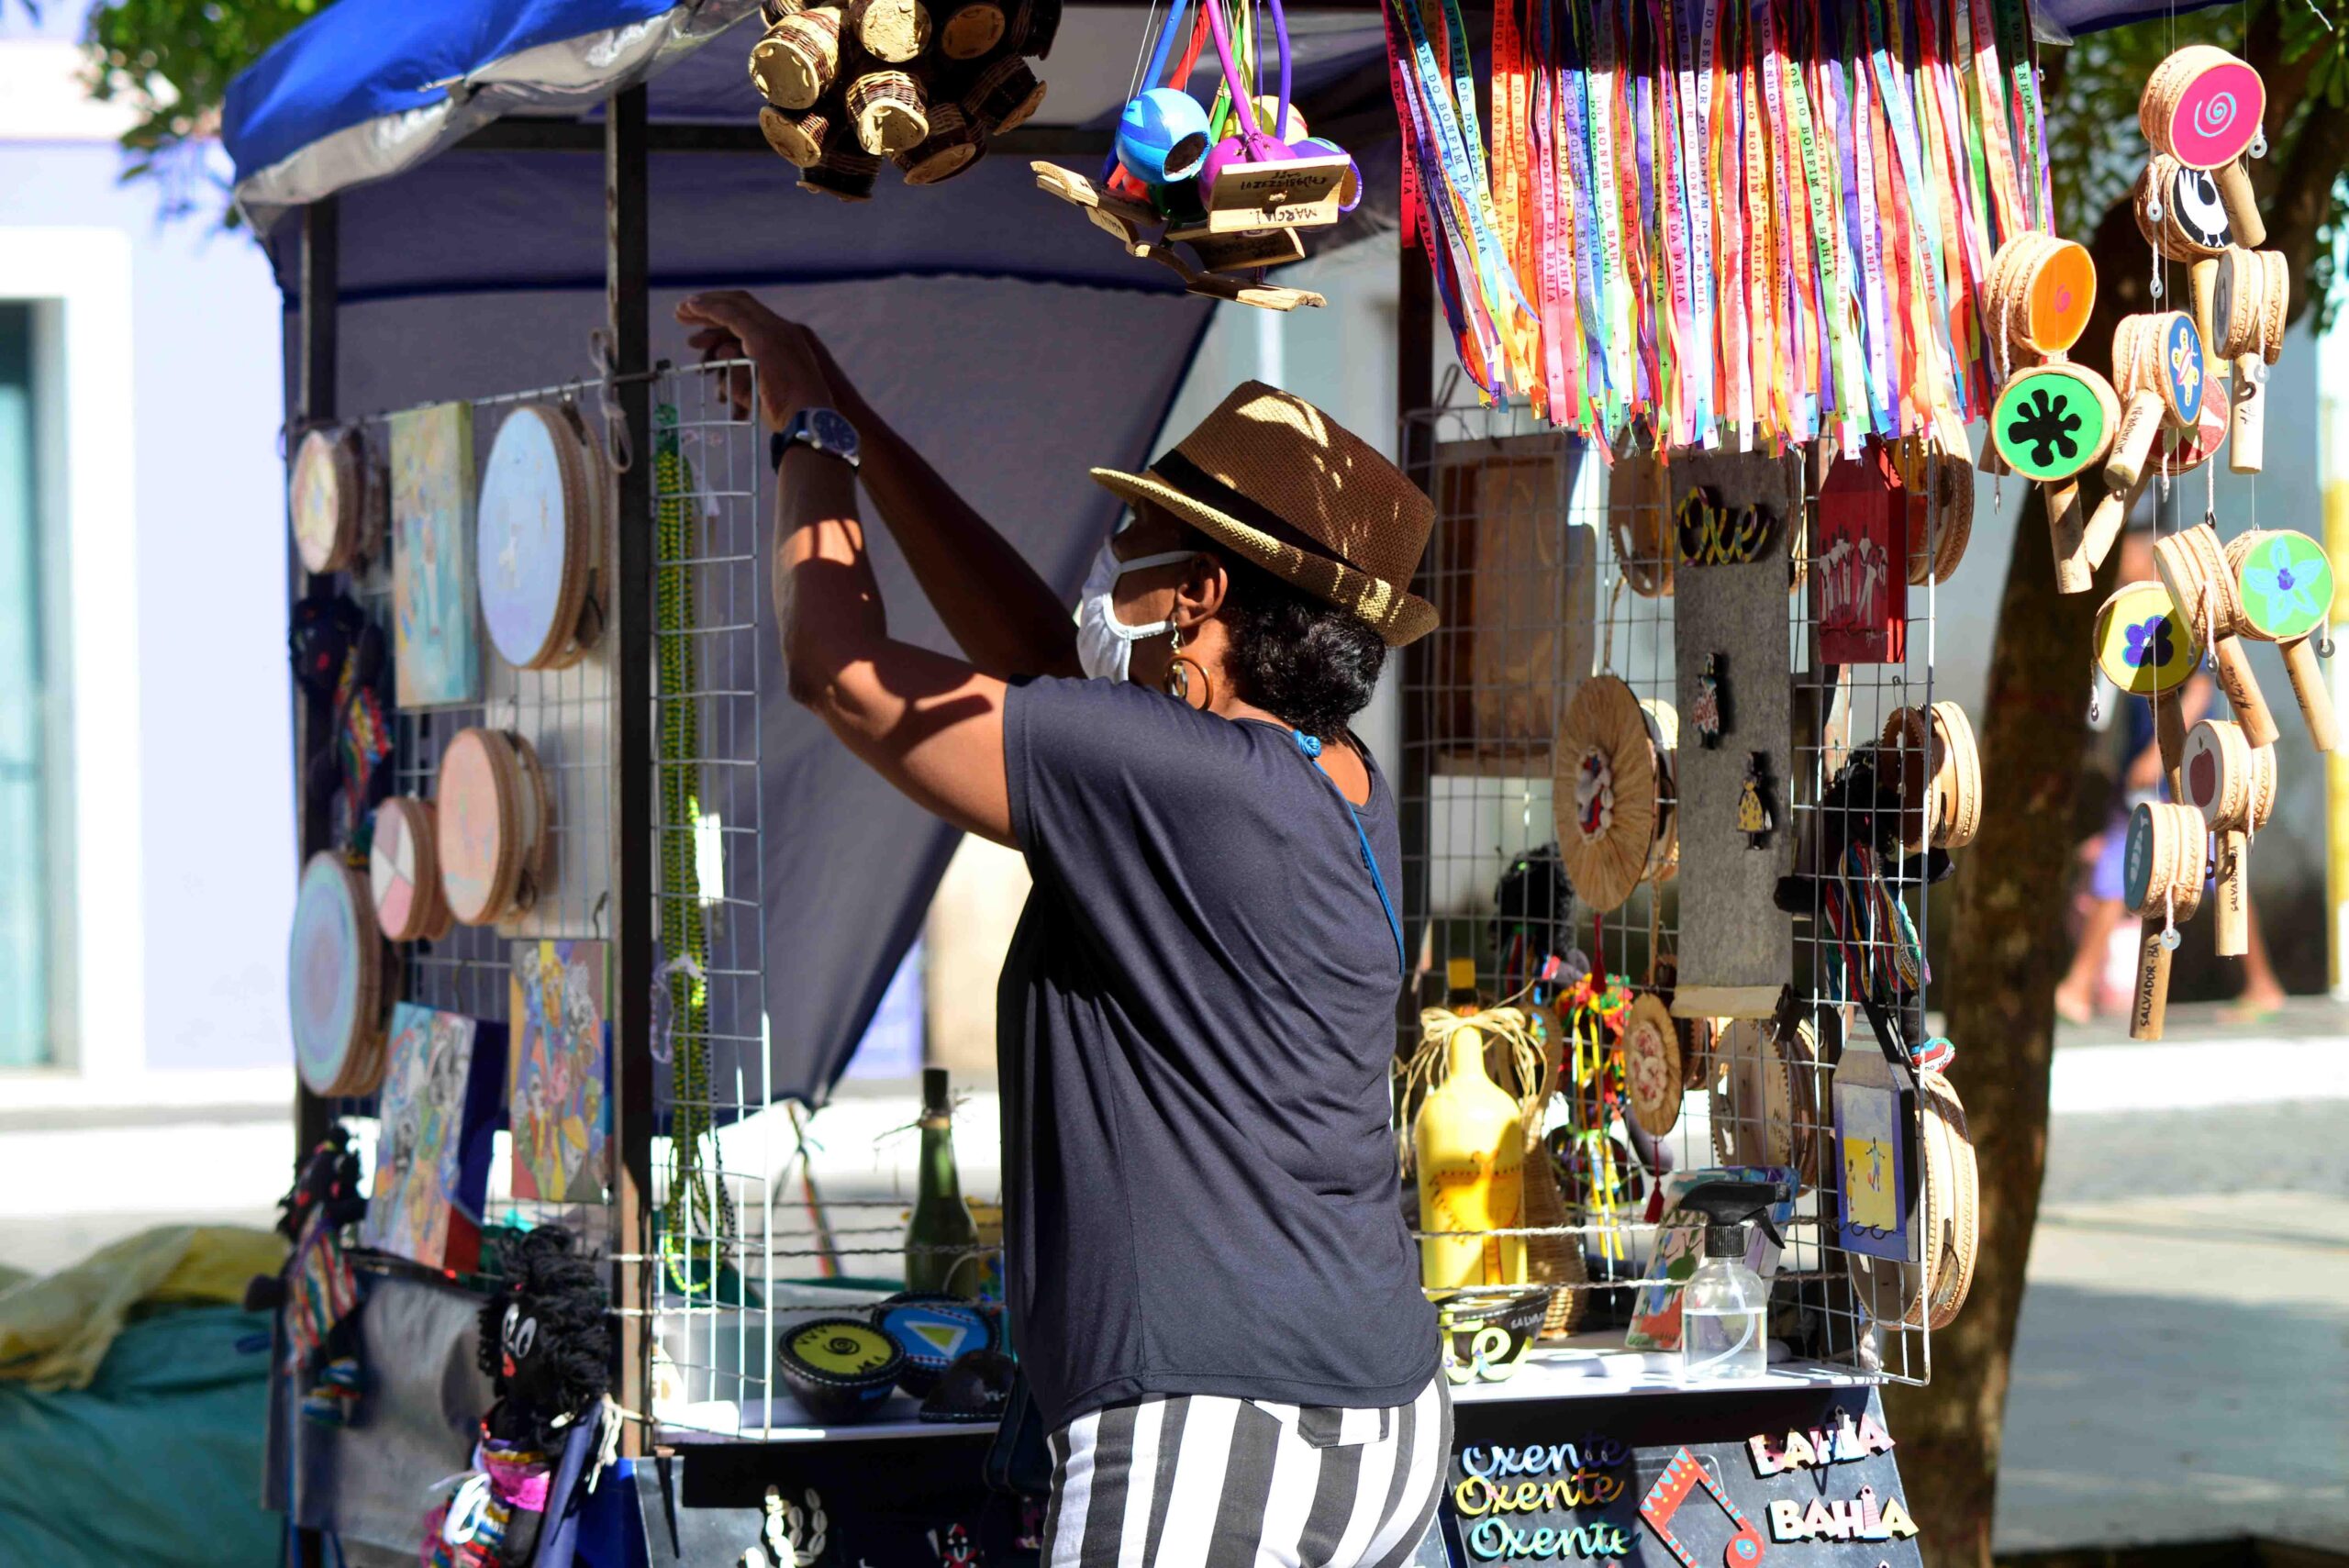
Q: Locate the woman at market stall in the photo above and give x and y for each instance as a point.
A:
(1213, 1294)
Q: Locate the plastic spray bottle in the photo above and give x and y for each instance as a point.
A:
(1725, 1306)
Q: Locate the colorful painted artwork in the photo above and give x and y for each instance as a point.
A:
(324, 984)
(1861, 578)
(437, 655)
(1872, 1195)
(419, 1151)
(559, 1099)
(526, 537)
(2286, 586)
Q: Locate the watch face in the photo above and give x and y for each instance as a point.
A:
(832, 432)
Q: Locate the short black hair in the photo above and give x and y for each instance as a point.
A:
(1295, 654)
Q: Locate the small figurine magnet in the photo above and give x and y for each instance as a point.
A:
(1755, 818)
(1711, 715)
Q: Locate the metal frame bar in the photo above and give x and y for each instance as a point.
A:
(312, 397)
(626, 262)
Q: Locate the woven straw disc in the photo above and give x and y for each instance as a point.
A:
(1652, 1064)
(1604, 792)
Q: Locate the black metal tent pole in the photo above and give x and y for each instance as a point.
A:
(312, 400)
(627, 265)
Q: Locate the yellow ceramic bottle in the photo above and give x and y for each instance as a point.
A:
(1469, 1146)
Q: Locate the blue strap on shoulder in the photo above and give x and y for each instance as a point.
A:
(1311, 746)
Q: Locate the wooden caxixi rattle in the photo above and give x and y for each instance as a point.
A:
(2194, 569)
(2233, 784)
(2052, 424)
(2250, 295)
(2145, 648)
(2284, 585)
(2203, 106)
(2161, 881)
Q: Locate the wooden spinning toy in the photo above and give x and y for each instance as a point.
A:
(2233, 784)
(2203, 106)
(2040, 292)
(2250, 296)
(2161, 878)
(2194, 569)
(2284, 583)
(2157, 369)
(2052, 424)
(2178, 211)
(1611, 792)
(2145, 648)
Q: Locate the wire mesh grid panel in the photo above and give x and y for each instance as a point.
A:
(564, 718)
(1554, 722)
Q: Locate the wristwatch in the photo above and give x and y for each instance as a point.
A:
(826, 430)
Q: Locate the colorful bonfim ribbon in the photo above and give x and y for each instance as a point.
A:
(1765, 223)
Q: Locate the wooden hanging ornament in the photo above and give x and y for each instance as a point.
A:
(2203, 107)
(2179, 211)
(2233, 784)
(335, 981)
(1606, 792)
(798, 138)
(889, 111)
(2157, 369)
(2052, 424)
(2041, 293)
(1653, 1064)
(796, 62)
(2194, 569)
(2146, 649)
(1636, 524)
(1757, 809)
(2161, 882)
(1763, 1107)
(1939, 493)
(404, 871)
(2284, 583)
(544, 524)
(2250, 297)
(494, 818)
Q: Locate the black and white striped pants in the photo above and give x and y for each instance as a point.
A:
(1202, 1481)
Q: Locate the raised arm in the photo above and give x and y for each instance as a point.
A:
(1000, 612)
(930, 725)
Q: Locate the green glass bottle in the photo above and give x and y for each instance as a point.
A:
(942, 1220)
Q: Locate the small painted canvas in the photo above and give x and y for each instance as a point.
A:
(1861, 578)
(1680, 1247)
(426, 1201)
(1873, 1197)
(436, 651)
(559, 1099)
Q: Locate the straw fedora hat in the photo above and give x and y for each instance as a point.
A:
(1298, 494)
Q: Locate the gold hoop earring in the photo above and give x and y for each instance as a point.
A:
(1180, 673)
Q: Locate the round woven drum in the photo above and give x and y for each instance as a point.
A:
(327, 501)
(795, 63)
(492, 815)
(404, 871)
(335, 981)
(1605, 792)
(541, 538)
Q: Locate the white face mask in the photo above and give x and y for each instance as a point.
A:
(1105, 644)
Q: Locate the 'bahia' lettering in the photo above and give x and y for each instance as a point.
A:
(1491, 1540)
(1846, 1444)
(1859, 1519)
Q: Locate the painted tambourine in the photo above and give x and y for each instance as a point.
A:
(1608, 792)
(544, 514)
(2179, 211)
(1932, 758)
(2203, 107)
(2193, 567)
(1764, 1102)
(2051, 424)
(404, 871)
(1928, 1293)
(329, 501)
(335, 981)
(2147, 649)
(1654, 1063)
(494, 818)
(2284, 582)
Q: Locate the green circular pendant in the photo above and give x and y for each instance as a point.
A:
(2286, 586)
(2049, 425)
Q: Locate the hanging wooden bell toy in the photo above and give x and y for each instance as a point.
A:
(2147, 649)
(2203, 107)
(2284, 582)
(2178, 211)
(2041, 293)
(2193, 567)
(2232, 783)
(2052, 424)
(2161, 881)
(2250, 295)
(2157, 369)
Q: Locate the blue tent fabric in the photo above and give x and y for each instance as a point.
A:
(157, 1462)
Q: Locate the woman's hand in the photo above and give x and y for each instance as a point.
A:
(795, 371)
